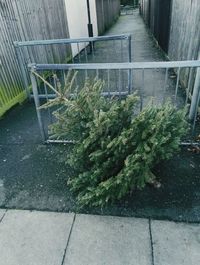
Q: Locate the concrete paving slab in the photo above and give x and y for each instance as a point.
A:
(102, 240)
(176, 243)
(34, 238)
(2, 212)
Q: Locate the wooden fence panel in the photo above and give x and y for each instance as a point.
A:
(28, 20)
(107, 12)
(11, 83)
(184, 42)
(175, 25)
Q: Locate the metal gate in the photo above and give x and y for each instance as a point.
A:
(157, 81)
(112, 48)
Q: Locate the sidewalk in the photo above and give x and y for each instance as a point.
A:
(49, 238)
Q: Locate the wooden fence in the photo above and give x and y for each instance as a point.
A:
(11, 83)
(175, 25)
(27, 20)
(107, 12)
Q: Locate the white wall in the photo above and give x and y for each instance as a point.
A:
(77, 17)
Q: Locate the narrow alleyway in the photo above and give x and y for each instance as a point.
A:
(33, 175)
(143, 49)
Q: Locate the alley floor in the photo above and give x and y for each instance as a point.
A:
(38, 238)
(34, 176)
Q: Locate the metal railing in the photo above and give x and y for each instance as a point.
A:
(113, 48)
(157, 81)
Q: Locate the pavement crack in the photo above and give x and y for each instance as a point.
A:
(65, 251)
(1, 219)
(152, 244)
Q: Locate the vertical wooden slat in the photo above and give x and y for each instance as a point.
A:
(28, 20)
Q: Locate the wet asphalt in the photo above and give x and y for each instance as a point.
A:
(34, 175)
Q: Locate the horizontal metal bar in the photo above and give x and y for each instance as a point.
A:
(105, 94)
(114, 66)
(190, 143)
(44, 96)
(72, 142)
(69, 41)
(60, 141)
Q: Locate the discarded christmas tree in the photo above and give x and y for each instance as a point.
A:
(115, 147)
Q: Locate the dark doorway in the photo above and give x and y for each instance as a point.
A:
(161, 18)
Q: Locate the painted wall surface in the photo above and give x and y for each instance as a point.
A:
(107, 13)
(77, 17)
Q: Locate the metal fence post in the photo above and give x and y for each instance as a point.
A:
(104, 26)
(37, 103)
(21, 65)
(195, 96)
(129, 59)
